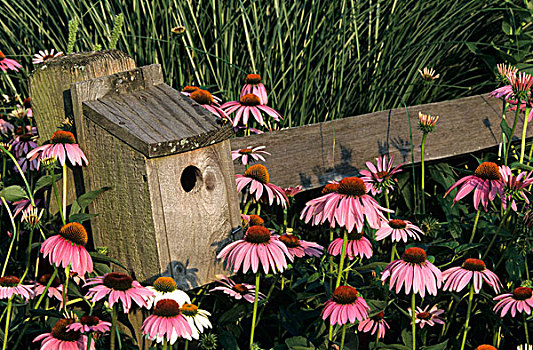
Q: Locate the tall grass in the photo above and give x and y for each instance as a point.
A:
(320, 59)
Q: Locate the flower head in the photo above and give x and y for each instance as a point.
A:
(486, 183)
(345, 305)
(475, 270)
(347, 207)
(249, 105)
(485, 347)
(119, 287)
(11, 286)
(88, 324)
(427, 122)
(32, 216)
(255, 86)
(249, 154)
(399, 230)
(429, 317)
(520, 300)
(413, 270)
(299, 248)
(63, 145)
(8, 63)
(55, 289)
(374, 324)
(503, 70)
(206, 100)
(237, 290)
(521, 83)
(380, 175)
(293, 191)
(198, 319)
(257, 182)
(257, 248)
(515, 186)
(166, 288)
(167, 322)
(62, 338)
(68, 247)
(357, 245)
(45, 55)
(253, 220)
(428, 74)
(189, 89)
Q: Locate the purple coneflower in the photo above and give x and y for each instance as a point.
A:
(345, 305)
(428, 74)
(249, 104)
(68, 247)
(166, 288)
(515, 186)
(198, 319)
(299, 248)
(357, 245)
(258, 179)
(520, 300)
(88, 324)
(166, 323)
(457, 278)
(429, 317)
(62, 145)
(237, 290)
(257, 248)
(23, 143)
(119, 287)
(521, 83)
(23, 205)
(189, 89)
(293, 191)
(486, 183)
(255, 86)
(253, 220)
(249, 154)
(61, 338)
(54, 291)
(399, 230)
(205, 99)
(10, 286)
(348, 207)
(6, 127)
(380, 175)
(413, 270)
(8, 63)
(44, 55)
(374, 324)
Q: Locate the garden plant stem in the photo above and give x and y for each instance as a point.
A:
(56, 194)
(114, 317)
(525, 327)
(28, 255)
(8, 320)
(413, 319)
(89, 340)
(422, 151)
(475, 226)
(165, 344)
(45, 292)
(254, 317)
(469, 310)
(512, 133)
(64, 193)
(65, 286)
(524, 130)
(504, 218)
(387, 204)
(339, 273)
(343, 336)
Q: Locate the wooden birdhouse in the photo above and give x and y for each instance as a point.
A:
(173, 201)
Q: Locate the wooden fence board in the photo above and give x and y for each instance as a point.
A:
(312, 155)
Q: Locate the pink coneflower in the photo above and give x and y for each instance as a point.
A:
(504, 69)
(54, 291)
(23, 143)
(427, 122)
(348, 207)
(166, 288)
(520, 300)
(515, 187)
(198, 319)
(19, 113)
(249, 104)
(8, 63)
(6, 127)
(299, 248)
(258, 247)
(374, 324)
(68, 247)
(259, 180)
(457, 278)
(205, 99)
(253, 220)
(521, 83)
(88, 324)
(357, 245)
(189, 89)
(10, 286)
(485, 347)
(44, 55)
(22, 205)
(237, 290)
(167, 322)
(61, 338)
(293, 191)
(62, 145)
(249, 154)
(486, 183)
(413, 270)
(399, 229)
(429, 317)
(380, 175)
(505, 92)
(255, 86)
(345, 305)
(428, 74)
(119, 287)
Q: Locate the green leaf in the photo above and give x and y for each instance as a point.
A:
(299, 343)
(505, 128)
(507, 29)
(407, 338)
(13, 193)
(43, 312)
(440, 346)
(228, 341)
(44, 181)
(106, 259)
(81, 217)
(85, 199)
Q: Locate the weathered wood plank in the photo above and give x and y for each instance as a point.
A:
(314, 154)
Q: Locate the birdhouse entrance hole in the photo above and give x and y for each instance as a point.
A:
(191, 177)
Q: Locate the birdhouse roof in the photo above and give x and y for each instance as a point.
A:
(157, 121)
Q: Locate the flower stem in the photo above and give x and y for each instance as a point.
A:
(114, 318)
(65, 286)
(56, 194)
(413, 318)
(387, 204)
(504, 218)
(469, 310)
(15, 234)
(165, 344)
(45, 292)
(475, 225)
(512, 133)
(343, 336)
(503, 139)
(331, 263)
(28, 255)
(525, 328)
(64, 193)
(524, 130)
(186, 344)
(256, 299)
(422, 151)
(8, 320)
(343, 253)
(89, 340)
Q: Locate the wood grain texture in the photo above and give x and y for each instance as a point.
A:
(314, 154)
